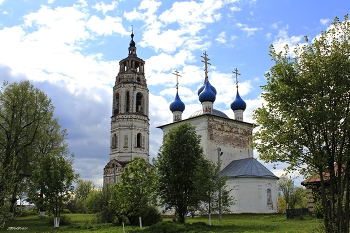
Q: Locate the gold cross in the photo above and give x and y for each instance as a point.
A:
(206, 59)
(236, 73)
(176, 73)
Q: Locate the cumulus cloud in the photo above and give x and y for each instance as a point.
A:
(101, 6)
(282, 40)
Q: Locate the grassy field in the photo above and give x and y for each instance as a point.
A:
(231, 223)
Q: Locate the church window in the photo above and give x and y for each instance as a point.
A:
(138, 140)
(116, 109)
(138, 79)
(269, 197)
(139, 101)
(127, 102)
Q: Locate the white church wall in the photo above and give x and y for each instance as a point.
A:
(251, 195)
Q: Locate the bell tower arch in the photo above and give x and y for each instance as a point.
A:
(129, 134)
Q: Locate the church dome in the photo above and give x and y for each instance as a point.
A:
(203, 86)
(214, 112)
(177, 104)
(238, 103)
(207, 95)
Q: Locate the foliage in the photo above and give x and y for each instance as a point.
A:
(54, 179)
(136, 193)
(178, 164)
(25, 114)
(295, 197)
(306, 119)
(82, 190)
(212, 189)
(94, 201)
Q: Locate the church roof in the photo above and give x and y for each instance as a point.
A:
(247, 168)
(215, 113)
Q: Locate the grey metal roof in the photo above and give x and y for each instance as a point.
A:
(248, 167)
(215, 112)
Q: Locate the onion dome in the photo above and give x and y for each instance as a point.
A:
(207, 95)
(202, 88)
(238, 103)
(177, 104)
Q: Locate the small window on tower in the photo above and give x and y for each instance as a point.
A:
(138, 142)
(139, 101)
(127, 102)
(116, 109)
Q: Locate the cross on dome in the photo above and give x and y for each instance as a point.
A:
(176, 73)
(236, 73)
(206, 63)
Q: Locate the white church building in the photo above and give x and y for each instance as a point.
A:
(252, 185)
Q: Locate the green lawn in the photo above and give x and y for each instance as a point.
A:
(231, 223)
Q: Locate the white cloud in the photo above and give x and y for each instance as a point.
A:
(106, 26)
(235, 8)
(282, 40)
(2, 1)
(101, 6)
(324, 21)
(221, 38)
(50, 1)
(249, 30)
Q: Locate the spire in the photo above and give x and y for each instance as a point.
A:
(132, 47)
(238, 105)
(177, 106)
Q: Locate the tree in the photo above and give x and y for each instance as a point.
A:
(136, 192)
(54, 179)
(306, 117)
(178, 165)
(295, 197)
(82, 190)
(213, 194)
(24, 113)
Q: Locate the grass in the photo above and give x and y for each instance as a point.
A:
(244, 223)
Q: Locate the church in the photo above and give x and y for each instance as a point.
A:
(224, 140)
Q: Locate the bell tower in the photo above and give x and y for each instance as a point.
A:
(129, 135)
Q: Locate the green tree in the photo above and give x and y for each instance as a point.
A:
(24, 113)
(54, 179)
(306, 121)
(178, 164)
(213, 191)
(82, 190)
(294, 196)
(137, 191)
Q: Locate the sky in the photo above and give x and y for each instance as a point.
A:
(71, 49)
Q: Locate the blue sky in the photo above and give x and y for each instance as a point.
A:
(71, 49)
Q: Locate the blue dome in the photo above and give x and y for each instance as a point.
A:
(202, 88)
(238, 103)
(207, 94)
(177, 104)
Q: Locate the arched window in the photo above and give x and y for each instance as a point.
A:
(116, 104)
(269, 197)
(139, 101)
(127, 102)
(138, 140)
